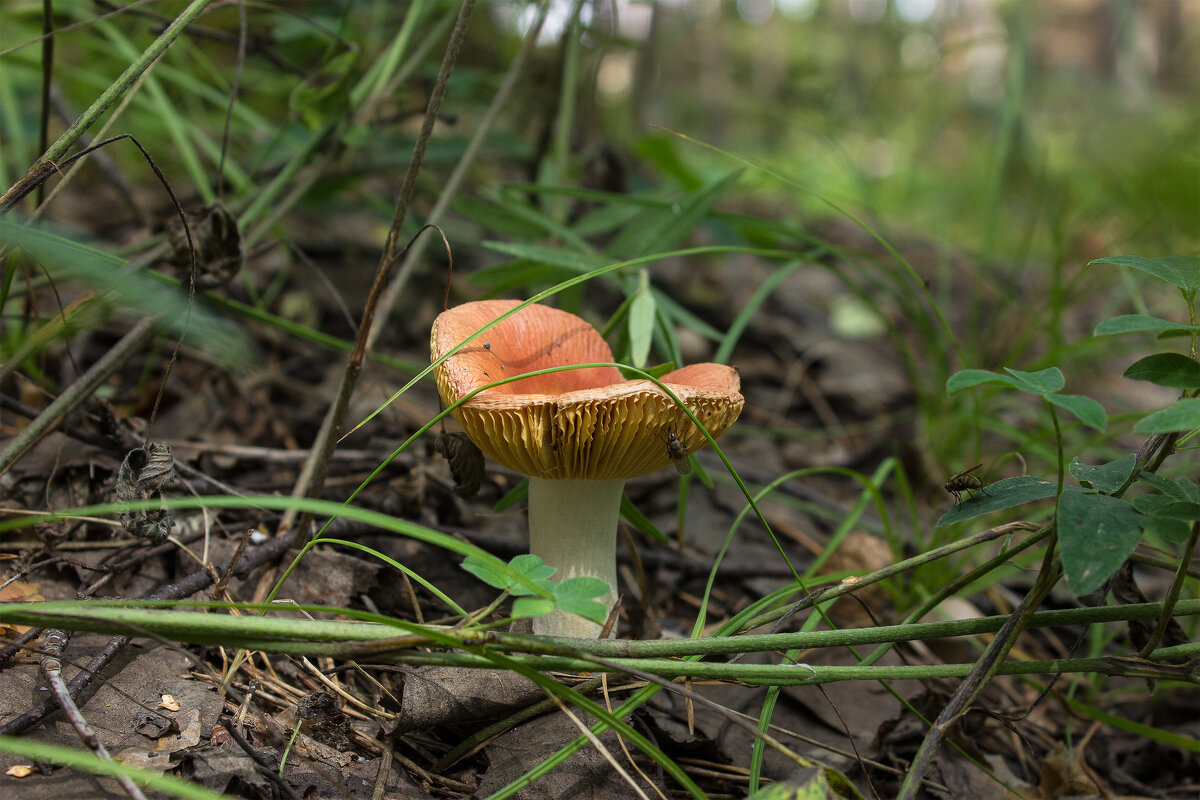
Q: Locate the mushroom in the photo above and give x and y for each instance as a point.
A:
(578, 434)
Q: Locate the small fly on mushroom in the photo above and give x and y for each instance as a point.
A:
(965, 482)
(678, 452)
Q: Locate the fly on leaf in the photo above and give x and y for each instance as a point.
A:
(964, 482)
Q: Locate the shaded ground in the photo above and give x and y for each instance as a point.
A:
(245, 433)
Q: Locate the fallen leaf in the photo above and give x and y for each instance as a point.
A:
(21, 592)
(1064, 776)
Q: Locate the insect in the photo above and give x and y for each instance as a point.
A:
(487, 346)
(678, 452)
(965, 482)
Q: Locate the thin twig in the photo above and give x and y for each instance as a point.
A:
(56, 642)
(219, 589)
(126, 79)
(47, 74)
(382, 774)
(193, 583)
(312, 476)
(76, 432)
(17, 645)
(980, 674)
(596, 743)
(87, 383)
(265, 767)
(449, 190)
(1168, 612)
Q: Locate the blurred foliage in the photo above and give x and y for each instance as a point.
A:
(998, 147)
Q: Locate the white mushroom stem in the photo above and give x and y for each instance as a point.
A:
(573, 527)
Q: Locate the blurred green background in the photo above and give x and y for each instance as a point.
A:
(996, 147)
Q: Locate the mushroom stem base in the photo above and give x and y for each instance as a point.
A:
(573, 527)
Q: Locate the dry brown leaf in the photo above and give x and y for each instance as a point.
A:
(1064, 776)
(21, 592)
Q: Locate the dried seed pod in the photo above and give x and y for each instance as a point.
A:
(144, 473)
(466, 462)
(217, 240)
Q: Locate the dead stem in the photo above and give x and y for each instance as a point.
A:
(56, 642)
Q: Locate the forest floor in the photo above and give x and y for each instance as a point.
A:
(225, 719)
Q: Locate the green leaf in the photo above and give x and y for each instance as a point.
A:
(1150, 504)
(662, 151)
(1090, 412)
(641, 322)
(660, 370)
(1105, 478)
(966, 378)
(497, 218)
(532, 607)
(1181, 271)
(1182, 415)
(486, 572)
(1044, 381)
(640, 521)
(1172, 530)
(1097, 533)
(513, 275)
(659, 230)
(806, 784)
(1137, 323)
(323, 96)
(1184, 490)
(1184, 512)
(575, 595)
(999, 495)
(531, 567)
(607, 218)
(1166, 369)
(67, 260)
(573, 261)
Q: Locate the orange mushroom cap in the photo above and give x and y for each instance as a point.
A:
(589, 424)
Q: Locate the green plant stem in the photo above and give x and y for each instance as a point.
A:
(889, 571)
(370, 640)
(952, 588)
(87, 383)
(1058, 442)
(1172, 597)
(564, 119)
(804, 674)
(127, 78)
(86, 762)
(1150, 457)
